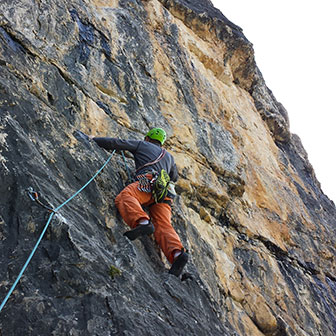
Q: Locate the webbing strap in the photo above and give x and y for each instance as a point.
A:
(162, 154)
(45, 229)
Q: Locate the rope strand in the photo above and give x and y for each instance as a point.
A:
(45, 229)
(127, 169)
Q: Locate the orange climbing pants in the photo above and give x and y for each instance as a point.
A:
(129, 203)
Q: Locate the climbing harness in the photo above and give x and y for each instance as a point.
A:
(148, 181)
(33, 195)
(157, 183)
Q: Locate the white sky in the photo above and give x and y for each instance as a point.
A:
(295, 49)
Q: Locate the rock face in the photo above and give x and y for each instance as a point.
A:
(259, 230)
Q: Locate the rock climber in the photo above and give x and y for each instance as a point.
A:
(150, 158)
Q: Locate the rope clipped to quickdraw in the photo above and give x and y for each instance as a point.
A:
(34, 196)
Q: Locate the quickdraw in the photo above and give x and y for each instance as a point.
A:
(33, 195)
(145, 182)
(156, 183)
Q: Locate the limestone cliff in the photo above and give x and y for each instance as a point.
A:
(260, 232)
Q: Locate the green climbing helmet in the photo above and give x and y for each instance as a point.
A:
(157, 134)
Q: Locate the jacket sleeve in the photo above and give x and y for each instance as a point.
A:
(118, 144)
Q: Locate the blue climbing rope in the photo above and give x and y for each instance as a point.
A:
(126, 166)
(45, 229)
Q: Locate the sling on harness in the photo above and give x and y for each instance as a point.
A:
(153, 181)
(146, 180)
(162, 154)
(157, 183)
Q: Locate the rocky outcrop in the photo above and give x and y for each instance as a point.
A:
(260, 231)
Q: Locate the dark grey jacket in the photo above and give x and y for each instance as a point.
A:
(143, 152)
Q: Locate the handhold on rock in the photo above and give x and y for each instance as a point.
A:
(186, 276)
(79, 135)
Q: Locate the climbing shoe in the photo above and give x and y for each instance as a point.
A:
(178, 264)
(140, 230)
